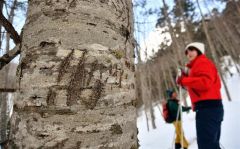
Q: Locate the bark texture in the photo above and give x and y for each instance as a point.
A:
(76, 76)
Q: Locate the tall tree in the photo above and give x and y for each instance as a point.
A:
(8, 56)
(213, 51)
(76, 76)
(226, 39)
(176, 45)
(10, 19)
(184, 13)
(5, 113)
(1, 9)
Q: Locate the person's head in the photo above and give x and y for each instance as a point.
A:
(194, 49)
(172, 94)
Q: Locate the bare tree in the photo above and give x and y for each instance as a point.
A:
(213, 51)
(176, 45)
(1, 9)
(7, 57)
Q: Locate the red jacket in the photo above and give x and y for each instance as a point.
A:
(202, 82)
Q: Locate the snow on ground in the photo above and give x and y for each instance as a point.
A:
(163, 136)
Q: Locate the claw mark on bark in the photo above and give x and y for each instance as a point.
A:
(76, 83)
(51, 97)
(97, 89)
(73, 4)
(120, 78)
(64, 65)
(116, 129)
(93, 68)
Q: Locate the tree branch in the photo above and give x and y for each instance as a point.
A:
(10, 29)
(6, 58)
(7, 90)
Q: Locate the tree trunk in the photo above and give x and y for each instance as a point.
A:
(165, 77)
(189, 36)
(10, 19)
(5, 114)
(151, 97)
(237, 5)
(76, 76)
(3, 103)
(3, 118)
(176, 46)
(224, 40)
(1, 34)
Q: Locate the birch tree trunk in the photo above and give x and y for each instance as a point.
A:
(10, 19)
(176, 45)
(3, 118)
(189, 36)
(4, 112)
(2, 125)
(1, 34)
(76, 76)
(224, 40)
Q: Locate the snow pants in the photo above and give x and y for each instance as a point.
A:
(179, 133)
(208, 125)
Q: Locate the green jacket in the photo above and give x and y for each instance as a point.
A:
(173, 108)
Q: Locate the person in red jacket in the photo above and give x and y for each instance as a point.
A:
(203, 85)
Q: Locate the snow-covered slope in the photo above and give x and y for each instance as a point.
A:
(163, 136)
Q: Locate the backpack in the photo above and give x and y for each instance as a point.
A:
(166, 113)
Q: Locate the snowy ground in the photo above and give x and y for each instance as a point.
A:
(163, 136)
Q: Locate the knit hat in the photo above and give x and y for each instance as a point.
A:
(197, 45)
(170, 92)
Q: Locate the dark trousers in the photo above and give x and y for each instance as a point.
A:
(208, 125)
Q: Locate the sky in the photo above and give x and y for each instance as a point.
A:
(146, 28)
(18, 23)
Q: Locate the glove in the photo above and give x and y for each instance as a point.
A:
(189, 108)
(180, 77)
(179, 80)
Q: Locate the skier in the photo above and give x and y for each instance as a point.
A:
(173, 106)
(203, 85)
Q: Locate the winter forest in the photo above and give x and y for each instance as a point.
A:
(94, 73)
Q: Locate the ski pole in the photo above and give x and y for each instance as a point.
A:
(178, 113)
(179, 73)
